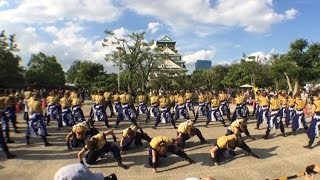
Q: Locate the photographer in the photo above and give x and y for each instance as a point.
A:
(311, 171)
(80, 171)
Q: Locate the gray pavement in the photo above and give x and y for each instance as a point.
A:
(279, 156)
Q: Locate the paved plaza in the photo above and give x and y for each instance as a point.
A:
(279, 156)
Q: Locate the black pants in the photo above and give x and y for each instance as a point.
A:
(109, 104)
(3, 142)
(137, 140)
(184, 137)
(171, 149)
(92, 156)
(219, 154)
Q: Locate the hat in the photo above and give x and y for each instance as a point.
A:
(189, 122)
(77, 172)
(133, 128)
(240, 120)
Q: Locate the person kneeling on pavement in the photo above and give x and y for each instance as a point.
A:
(98, 146)
(131, 134)
(160, 146)
(237, 127)
(186, 130)
(226, 145)
(79, 134)
(80, 172)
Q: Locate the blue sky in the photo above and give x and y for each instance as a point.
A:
(218, 30)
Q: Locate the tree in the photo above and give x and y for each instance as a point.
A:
(217, 73)
(105, 82)
(162, 81)
(82, 73)
(132, 52)
(10, 71)
(198, 79)
(150, 58)
(45, 71)
(236, 76)
(300, 64)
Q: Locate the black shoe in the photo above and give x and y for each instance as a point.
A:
(10, 141)
(111, 176)
(116, 126)
(123, 166)
(204, 142)
(284, 134)
(47, 144)
(17, 131)
(108, 126)
(191, 161)
(307, 147)
(48, 134)
(154, 127)
(11, 156)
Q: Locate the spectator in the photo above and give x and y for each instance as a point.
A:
(311, 171)
(80, 172)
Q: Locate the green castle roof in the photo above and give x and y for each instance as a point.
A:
(166, 39)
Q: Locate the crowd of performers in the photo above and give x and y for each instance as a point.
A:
(277, 109)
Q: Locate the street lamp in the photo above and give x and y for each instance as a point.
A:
(119, 66)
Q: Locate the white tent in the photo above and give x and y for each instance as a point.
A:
(246, 86)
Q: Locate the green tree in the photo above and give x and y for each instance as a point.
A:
(44, 71)
(236, 76)
(105, 81)
(162, 82)
(198, 79)
(82, 73)
(11, 73)
(149, 62)
(132, 52)
(301, 63)
(217, 73)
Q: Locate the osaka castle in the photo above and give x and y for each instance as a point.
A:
(171, 64)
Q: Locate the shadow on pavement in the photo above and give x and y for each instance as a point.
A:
(264, 153)
(43, 155)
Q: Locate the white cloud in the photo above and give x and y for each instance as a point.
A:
(199, 55)
(66, 45)
(3, 3)
(261, 56)
(50, 11)
(31, 21)
(153, 27)
(121, 32)
(195, 15)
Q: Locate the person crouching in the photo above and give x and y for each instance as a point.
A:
(186, 130)
(131, 134)
(159, 146)
(227, 144)
(98, 146)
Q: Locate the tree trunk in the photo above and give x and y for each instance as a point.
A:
(142, 85)
(130, 80)
(288, 81)
(296, 87)
(253, 80)
(277, 84)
